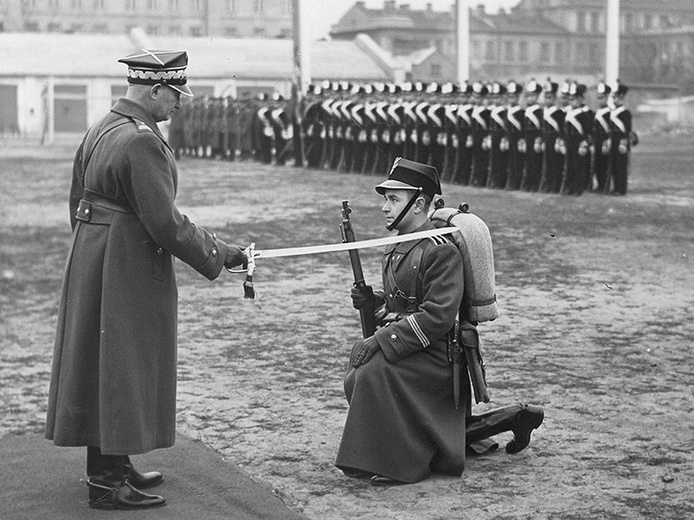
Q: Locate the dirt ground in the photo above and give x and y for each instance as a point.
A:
(596, 294)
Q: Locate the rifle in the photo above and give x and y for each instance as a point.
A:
(366, 313)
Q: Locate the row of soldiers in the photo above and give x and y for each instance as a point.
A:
(475, 134)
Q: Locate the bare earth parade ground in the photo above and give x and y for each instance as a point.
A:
(596, 294)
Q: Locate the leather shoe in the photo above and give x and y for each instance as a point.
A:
(529, 418)
(143, 480)
(379, 480)
(122, 496)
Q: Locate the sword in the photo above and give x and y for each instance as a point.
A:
(349, 246)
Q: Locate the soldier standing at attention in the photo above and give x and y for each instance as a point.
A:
(113, 382)
(622, 138)
(533, 145)
(402, 422)
(552, 129)
(498, 141)
(465, 140)
(577, 138)
(601, 137)
(480, 133)
(515, 136)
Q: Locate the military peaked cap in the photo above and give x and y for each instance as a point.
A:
(550, 87)
(620, 90)
(603, 88)
(148, 67)
(577, 89)
(533, 87)
(410, 175)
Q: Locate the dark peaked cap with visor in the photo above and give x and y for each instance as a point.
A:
(159, 68)
(410, 175)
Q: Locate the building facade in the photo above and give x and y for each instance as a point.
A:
(193, 18)
(537, 38)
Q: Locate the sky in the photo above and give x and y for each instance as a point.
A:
(320, 15)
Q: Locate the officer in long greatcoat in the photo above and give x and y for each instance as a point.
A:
(113, 382)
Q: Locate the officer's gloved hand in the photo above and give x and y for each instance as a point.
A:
(235, 256)
(359, 297)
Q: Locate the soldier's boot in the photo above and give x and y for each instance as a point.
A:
(109, 487)
(521, 419)
(141, 480)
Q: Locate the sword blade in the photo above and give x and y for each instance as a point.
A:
(348, 246)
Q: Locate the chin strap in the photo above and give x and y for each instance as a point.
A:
(404, 211)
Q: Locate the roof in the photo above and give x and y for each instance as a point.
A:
(632, 5)
(362, 19)
(96, 55)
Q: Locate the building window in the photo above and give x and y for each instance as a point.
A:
(231, 6)
(173, 5)
(100, 28)
(664, 21)
(152, 30)
(153, 5)
(197, 6)
(629, 22)
(436, 71)
(580, 22)
(99, 4)
(489, 52)
(259, 31)
(130, 5)
(594, 22)
(231, 31)
(196, 32)
(76, 4)
(523, 51)
(544, 53)
(259, 6)
(509, 55)
(476, 48)
(175, 30)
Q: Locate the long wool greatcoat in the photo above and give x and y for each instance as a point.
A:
(113, 382)
(402, 422)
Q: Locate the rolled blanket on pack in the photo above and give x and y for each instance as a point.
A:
(475, 244)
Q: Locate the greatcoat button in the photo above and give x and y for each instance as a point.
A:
(214, 252)
(86, 211)
(160, 251)
(393, 337)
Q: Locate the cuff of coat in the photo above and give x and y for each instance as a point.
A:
(390, 344)
(216, 257)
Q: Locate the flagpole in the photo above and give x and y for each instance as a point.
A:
(462, 19)
(612, 42)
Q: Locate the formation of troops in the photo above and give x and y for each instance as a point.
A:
(536, 137)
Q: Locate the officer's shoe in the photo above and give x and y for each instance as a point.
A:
(103, 495)
(142, 480)
(528, 418)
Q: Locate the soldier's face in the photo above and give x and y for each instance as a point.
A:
(602, 100)
(395, 202)
(550, 99)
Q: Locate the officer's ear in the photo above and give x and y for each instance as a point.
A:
(155, 90)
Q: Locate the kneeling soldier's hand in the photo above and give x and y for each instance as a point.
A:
(368, 348)
(359, 297)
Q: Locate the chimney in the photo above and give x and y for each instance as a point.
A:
(389, 5)
(361, 4)
(405, 7)
(429, 7)
(480, 10)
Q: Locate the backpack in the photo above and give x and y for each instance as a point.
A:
(475, 245)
